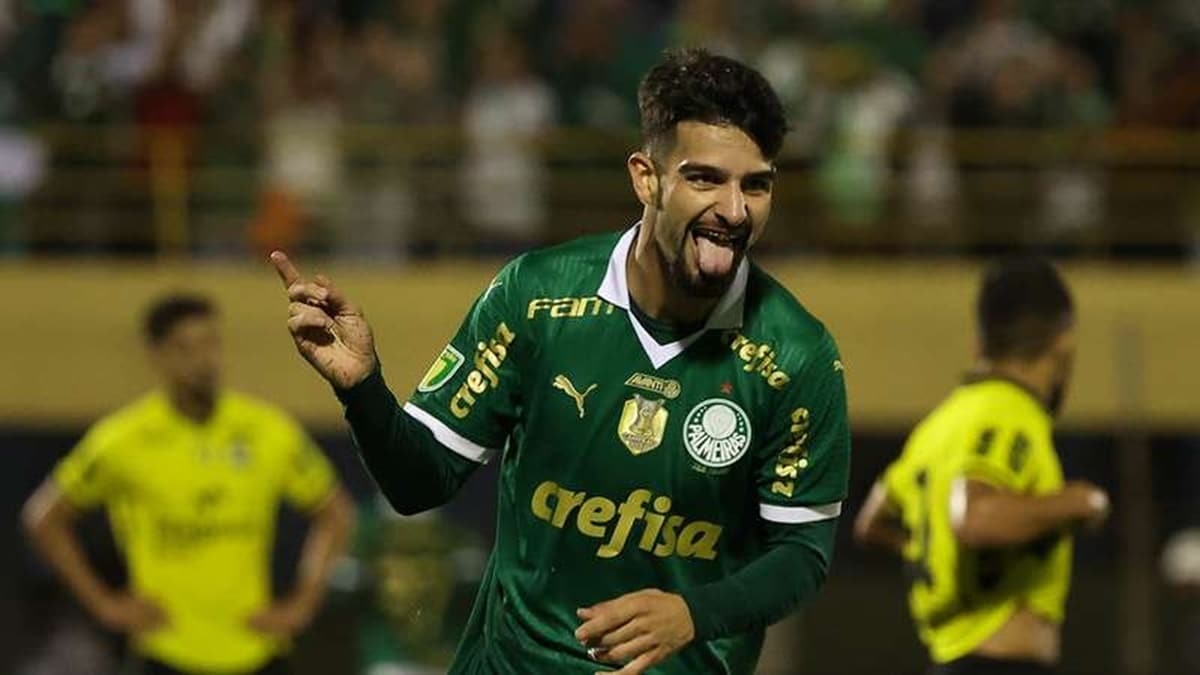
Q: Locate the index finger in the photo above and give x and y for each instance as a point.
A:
(284, 268)
(603, 618)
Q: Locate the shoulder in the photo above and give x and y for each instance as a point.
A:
(126, 423)
(1001, 403)
(562, 279)
(583, 260)
(246, 410)
(773, 316)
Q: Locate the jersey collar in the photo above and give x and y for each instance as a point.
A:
(615, 290)
(979, 377)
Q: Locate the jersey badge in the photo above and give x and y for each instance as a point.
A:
(642, 424)
(561, 382)
(655, 385)
(716, 433)
(447, 363)
(239, 454)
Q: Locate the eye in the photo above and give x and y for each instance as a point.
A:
(757, 185)
(702, 179)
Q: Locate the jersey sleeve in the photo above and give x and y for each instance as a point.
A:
(308, 477)
(89, 476)
(469, 397)
(1007, 457)
(804, 461)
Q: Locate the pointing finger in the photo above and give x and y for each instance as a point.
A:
(284, 267)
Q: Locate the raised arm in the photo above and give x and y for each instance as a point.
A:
(330, 332)
(408, 464)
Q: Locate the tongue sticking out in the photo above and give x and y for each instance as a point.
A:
(714, 259)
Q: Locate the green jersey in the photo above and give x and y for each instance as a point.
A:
(625, 463)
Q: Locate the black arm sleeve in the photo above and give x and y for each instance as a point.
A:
(411, 468)
(788, 574)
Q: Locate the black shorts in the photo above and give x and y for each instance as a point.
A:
(152, 667)
(982, 665)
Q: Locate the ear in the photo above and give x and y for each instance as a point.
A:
(644, 178)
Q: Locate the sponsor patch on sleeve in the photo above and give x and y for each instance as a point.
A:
(443, 368)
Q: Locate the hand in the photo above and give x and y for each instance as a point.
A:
(1094, 504)
(284, 618)
(636, 630)
(330, 332)
(126, 613)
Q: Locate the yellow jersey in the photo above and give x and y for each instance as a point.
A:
(995, 431)
(193, 508)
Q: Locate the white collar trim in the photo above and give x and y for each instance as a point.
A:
(615, 289)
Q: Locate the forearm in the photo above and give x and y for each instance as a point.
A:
(410, 467)
(996, 518)
(787, 575)
(325, 542)
(878, 524)
(884, 534)
(52, 535)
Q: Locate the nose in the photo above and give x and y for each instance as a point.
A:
(731, 205)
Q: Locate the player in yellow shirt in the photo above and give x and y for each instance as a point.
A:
(192, 476)
(976, 504)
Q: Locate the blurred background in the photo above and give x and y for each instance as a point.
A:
(408, 147)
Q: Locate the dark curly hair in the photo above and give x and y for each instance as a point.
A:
(696, 85)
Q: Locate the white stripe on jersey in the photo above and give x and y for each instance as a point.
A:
(449, 437)
(799, 514)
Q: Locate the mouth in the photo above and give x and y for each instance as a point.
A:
(735, 239)
(717, 249)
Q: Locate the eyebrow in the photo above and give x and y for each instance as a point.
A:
(693, 166)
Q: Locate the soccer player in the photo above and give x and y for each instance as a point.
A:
(192, 477)
(976, 503)
(670, 422)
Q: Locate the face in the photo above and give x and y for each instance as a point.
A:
(189, 358)
(1062, 356)
(707, 200)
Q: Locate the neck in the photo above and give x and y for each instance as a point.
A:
(1036, 376)
(194, 405)
(651, 287)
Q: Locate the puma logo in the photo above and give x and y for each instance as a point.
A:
(561, 382)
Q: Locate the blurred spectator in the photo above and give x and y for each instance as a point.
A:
(996, 72)
(712, 24)
(507, 111)
(394, 75)
(319, 101)
(303, 167)
(598, 52)
(1160, 56)
(872, 101)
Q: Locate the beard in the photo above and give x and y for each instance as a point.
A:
(694, 282)
(1058, 396)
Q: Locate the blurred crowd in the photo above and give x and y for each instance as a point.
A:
(305, 104)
